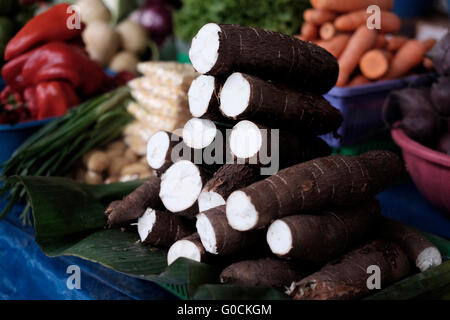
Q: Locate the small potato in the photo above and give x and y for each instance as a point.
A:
(87, 156)
(124, 61)
(146, 174)
(133, 36)
(134, 168)
(117, 165)
(92, 177)
(112, 179)
(98, 161)
(130, 155)
(129, 177)
(116, 149)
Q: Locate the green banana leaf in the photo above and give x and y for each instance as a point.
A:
(69, 220)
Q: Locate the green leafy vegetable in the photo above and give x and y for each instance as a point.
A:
(278, 15)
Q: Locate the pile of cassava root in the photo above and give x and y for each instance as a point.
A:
(313, 227)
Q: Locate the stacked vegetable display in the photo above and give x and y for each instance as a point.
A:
(423, 112)
(313, 226)
(364, 54)
(47, 72)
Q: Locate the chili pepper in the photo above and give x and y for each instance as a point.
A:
(50, 25)
(61, 61)
(54, 98)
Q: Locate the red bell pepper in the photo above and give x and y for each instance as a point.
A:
(54, 98)
(61, 61)
(12, 72)
(50, 25)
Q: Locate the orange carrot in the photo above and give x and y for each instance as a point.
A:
(389, 22)
(350, 5)
(374, 64)
(409, 56)
(360, 42)
(394, 43)
(381, 41)
(336, 45)
(318, 17)
(309, 31)
(429, 43)
(358, 80)
(428, 64)
(327, 31)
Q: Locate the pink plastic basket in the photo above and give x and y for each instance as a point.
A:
(429, 169)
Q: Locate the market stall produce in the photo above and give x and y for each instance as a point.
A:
(364, 54)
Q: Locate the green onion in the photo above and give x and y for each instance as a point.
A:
(54, 149)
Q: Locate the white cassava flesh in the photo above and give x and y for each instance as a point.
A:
(181, 185)
(279, 238)
(200, 94)
(199, 133)
(204, 50)
(241, 213)
(145, 223)
(429, 257)
(157, 148)
(235, 95)
(209, 199)
(246, 139)
(207, 234)
(183, 249)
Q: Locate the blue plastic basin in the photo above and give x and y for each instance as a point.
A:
(12, 136)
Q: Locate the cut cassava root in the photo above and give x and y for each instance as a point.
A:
(162, 229)
(261, 145)
(347, 277)
(268, 272)
(203, 97)
(189, 247)
(219, 238)
(225, 180)
(159, 151)
(199, 133)
(134, 205)
(322, 237)
(314, 185)
(247, 97)
(220, 49)
(181, 185)
(419, 250)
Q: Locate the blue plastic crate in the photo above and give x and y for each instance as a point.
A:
(362, 107)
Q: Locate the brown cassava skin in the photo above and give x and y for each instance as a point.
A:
(346, 278)
(410, 240)
(389, 22)
(231, 177)
(318, 17)
(134, 205)
(360, 42)
(336, 45)
(268, 272)
(291, 148)
(278, 106)
(320, 183)
(274, 56)
(350, 5)
(167, 229)
(228, 240)
(324, 236)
